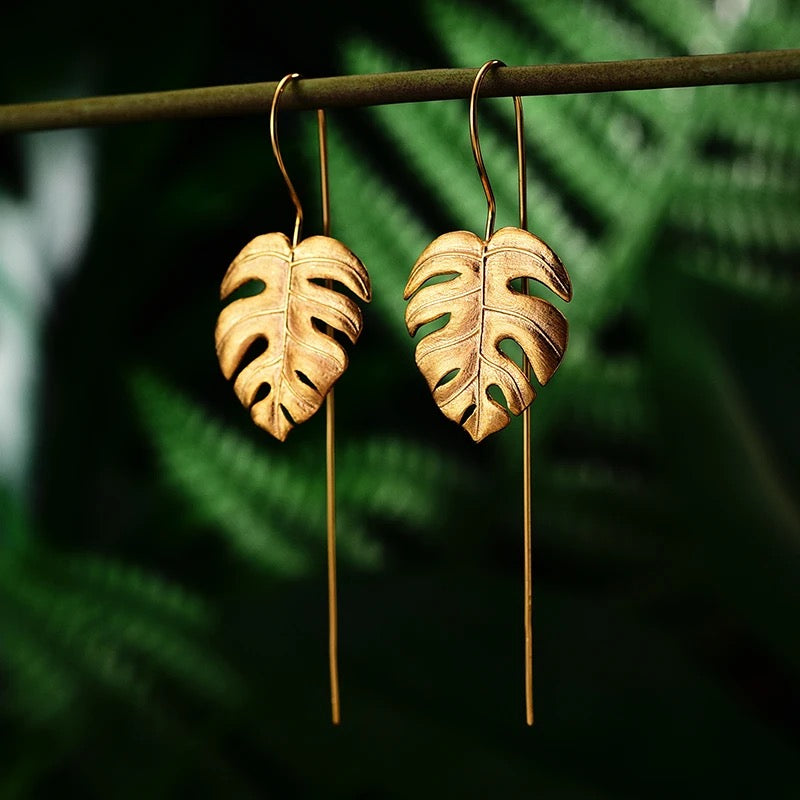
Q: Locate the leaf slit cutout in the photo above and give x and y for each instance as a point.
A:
(468, 412)
(247, 290)
(556, 276)
(496, 393)
(447, 377)
(262, 392)
(255, 349)
(445, 277)
(305, 379)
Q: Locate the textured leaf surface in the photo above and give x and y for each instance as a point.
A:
(301, 362)
(484, 311)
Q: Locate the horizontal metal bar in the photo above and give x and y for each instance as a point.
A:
(349, 91)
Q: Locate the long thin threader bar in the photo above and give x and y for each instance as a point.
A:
(330, 458)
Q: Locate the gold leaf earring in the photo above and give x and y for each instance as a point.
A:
(302, 360)
(295, 313)
(462, 360)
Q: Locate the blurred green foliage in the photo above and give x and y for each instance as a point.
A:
(162, 590)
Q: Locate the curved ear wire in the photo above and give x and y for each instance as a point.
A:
(476, 151)
(276, 149)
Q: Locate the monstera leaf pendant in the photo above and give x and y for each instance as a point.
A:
(295, 314)
(462, 359)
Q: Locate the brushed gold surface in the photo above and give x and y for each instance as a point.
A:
(301, 362)
(484, 310)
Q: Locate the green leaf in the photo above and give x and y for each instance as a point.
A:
(270, 503)
(70, 622)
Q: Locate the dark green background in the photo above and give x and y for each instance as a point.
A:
(162, 584)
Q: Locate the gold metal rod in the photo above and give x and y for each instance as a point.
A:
(527, 526)
(330, 456)
(522, 169)
(526, 438)
(333, 627)
(349, 91)
(323, 172)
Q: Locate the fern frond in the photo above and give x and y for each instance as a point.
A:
(690, 26)
(389, 235)
(763, 118)
(771, 25)
(741, 219)
(412, 480)
(596, 32)
(569, 149)
(755, 275)
(71, 628)
(742, 175)
(131, 587)
(278, 502)
(597, 29)
(229, 483)
(40, 684)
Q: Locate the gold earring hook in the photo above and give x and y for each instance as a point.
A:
(330, 457)
(476, 151)
(273, 135)
(526, 415)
